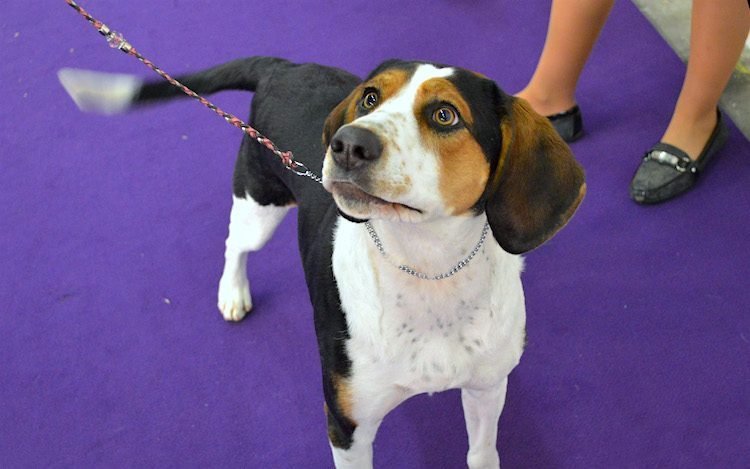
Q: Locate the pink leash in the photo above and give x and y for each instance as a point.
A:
(117, 41)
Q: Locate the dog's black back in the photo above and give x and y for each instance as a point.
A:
(290, 106)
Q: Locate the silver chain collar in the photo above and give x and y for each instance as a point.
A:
(421, 275)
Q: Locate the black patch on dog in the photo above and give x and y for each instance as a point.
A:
(487, 103)
(395, 64)
(484, 99)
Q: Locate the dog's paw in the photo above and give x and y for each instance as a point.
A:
(234, 299)
(483, 460)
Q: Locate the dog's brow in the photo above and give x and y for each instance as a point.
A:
(389, 82)
(440, 89)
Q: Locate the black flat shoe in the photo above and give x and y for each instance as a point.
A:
(666, 171)
(568, 124)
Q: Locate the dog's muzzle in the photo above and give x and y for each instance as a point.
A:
(354, 147)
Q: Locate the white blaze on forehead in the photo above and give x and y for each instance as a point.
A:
(406, 157)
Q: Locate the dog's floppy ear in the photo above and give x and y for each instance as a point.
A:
(342, 114)
(537, 184)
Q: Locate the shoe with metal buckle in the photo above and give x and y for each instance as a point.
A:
(666, 171)
(569, 124)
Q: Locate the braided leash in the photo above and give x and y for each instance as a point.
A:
(117, 41)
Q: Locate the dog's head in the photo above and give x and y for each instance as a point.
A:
(418, 141)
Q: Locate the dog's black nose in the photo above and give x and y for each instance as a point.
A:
(351, 147)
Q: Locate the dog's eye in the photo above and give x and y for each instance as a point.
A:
(370, 100)
(445, 116)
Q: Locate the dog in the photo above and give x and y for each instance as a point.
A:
(419, 162)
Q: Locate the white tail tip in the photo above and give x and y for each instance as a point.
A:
(105, 93)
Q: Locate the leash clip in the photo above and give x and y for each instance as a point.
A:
(298, 168)
(301, 170)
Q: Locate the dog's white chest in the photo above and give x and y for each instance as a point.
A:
(432, 339)
(428, 336)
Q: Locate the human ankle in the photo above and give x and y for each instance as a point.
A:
(546, 103)
(690, 133)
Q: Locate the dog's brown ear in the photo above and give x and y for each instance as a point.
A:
(342, 114)
(537, 184)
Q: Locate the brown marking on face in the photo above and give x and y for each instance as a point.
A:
(388, 83)
(463, 167)
(342, 114)
(440, 89)
(463, 171)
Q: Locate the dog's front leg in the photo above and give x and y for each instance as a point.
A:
(250, 227)
(482, 408)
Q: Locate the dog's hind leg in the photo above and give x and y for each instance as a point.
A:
(250, 227)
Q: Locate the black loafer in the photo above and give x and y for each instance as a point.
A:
(666, 171)
(568, 124)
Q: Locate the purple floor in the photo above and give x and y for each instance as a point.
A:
(112, 352)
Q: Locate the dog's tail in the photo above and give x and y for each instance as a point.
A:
(111, 93)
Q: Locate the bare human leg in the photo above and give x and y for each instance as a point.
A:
(718, 33)
(574, 27)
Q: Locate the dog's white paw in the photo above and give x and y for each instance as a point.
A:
(234, 299)
(483, 460)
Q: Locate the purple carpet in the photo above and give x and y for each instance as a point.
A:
(112, 351)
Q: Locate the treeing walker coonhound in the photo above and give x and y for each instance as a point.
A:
(419, 163)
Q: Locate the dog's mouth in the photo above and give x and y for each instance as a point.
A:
(353, 201)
